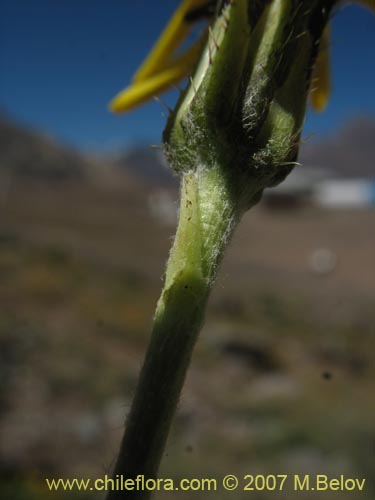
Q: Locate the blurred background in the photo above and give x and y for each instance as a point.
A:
(282, 378)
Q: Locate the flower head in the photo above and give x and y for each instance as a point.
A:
(165, 66)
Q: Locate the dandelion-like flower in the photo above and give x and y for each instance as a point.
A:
(164, 67)
(234, 132)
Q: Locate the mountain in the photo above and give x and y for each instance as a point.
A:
(148, 164)
(29, 153)
(348, 153)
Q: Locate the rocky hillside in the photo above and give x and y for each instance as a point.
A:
(348, 153)
(29, 153)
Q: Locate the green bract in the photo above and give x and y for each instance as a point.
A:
(244, 108)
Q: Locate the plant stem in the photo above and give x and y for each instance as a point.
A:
(235, 131)
(208, 215)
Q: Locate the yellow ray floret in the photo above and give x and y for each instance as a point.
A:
(141, 91)
(162, 68)
(171, 38)
(321, 83)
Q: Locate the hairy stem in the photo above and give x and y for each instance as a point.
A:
(235, 131)
(208, 215)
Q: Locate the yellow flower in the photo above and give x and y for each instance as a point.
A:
(164, 67)
(321, 76)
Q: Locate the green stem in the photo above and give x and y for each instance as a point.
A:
(241, 117)
(208, 215)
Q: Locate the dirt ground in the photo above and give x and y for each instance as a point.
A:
(282, 378)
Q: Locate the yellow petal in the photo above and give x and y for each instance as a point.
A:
(171, 38)
(141, 91)
(321, 81)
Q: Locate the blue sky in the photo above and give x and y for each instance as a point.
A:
(62, 60)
